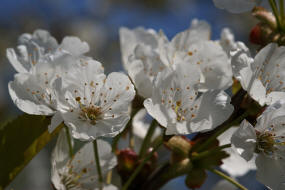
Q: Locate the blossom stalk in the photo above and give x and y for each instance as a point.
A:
(231, 180)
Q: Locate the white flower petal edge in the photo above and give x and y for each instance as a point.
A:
(198, 31)
(147, 53)
(95, 105)
(227, 41)
(175, 103)
(74, 46)
(31, 49)
(79, 172)
(130, 38)
(34, 92)
(244, 140)
(29, 96)
(262, 77)
(266, 140)
(236, 6)
(194, 45)
(234, 165)
(144, 65)
(270, 172)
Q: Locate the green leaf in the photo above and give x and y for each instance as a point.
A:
(20, 140)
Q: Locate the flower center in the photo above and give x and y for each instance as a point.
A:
(91, 113)
(265, 143)
(270, 144)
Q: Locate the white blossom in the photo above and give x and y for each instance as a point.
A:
(236, 6)
(80, 172)
(32, 48)
(139, 48)
(129, 39)
(177, 105)
(234, 165)
(152, 53)
(41, 63)
(40, 46)
(263, 76)
(195, 47)
(266, 140)
(93, 105)
(227, 41)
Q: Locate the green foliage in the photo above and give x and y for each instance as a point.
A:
(20, 140)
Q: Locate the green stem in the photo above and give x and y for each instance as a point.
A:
(168, 172)
(275, 12)
(220, 131)
(147, 139)
(281, 10)
(97, 160)
(210, 152)
(69, 141)
(139, 168)
(231, 180)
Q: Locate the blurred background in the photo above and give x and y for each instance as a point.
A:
(97, 22)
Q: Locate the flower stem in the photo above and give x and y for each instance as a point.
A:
(210, 152)
(281, 10)
(139, 168)
(220, 131)
(231, 180)
(69, 141)
(97, 160)
(275, 12)
(147, 139)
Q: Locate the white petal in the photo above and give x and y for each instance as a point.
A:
(56, 120)
(143, 67)
(85, 157)
(214, 64)
(199, 31)
(227, 40)
(244, 140)
(119, 90)
(142, 82)
(83, 130)
(74, 46)
(240, 58)
(13, 58)
(40, 37)
(235, 165)
(59, 159)
(270, 172)
(155, 111)
(24, 99)
(215, 106)
(129, 39)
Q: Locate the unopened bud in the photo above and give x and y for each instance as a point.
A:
(261, 34)
(127, 160)
(180, 147)
(265, 17)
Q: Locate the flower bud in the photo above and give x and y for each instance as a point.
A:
(265, 17)
(180, 147)
(127, 161)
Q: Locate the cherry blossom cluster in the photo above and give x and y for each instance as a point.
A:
(184, 84)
